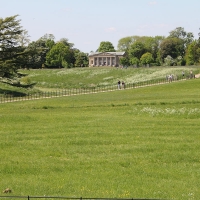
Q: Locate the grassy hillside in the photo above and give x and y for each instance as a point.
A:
(100, 76)
(137, 143)
(49, 80)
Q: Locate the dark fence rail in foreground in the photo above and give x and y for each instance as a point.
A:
(69, 198)
(5, 98)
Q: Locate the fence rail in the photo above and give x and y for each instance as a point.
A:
(5, 98)
(69, 198)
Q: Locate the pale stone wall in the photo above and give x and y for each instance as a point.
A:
(105, 59)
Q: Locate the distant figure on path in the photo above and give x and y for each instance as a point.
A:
(119, 84)
(191, 74)
(123, 85)
(170, 78)
(183, 74)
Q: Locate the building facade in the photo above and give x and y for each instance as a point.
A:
(105, 58)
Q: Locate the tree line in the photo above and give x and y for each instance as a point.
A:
(16, 51)
(178, 49)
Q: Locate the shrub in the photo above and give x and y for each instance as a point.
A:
(25, 80)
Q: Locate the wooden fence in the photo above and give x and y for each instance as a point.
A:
(69, 198)
(5, 98)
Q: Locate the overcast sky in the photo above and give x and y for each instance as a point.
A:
(86, 23)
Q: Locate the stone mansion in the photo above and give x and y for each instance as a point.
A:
(105, 58)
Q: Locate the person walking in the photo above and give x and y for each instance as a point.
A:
(119, 84)
(183, 74)
(191, 74)
(123, 85)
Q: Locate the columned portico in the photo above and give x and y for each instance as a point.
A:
(105, 58)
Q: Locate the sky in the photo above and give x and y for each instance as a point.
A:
(86, 23)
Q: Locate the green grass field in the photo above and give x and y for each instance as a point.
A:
(136, 143)
(51, 80)
(100, 76)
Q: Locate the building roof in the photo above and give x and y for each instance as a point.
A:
(111, 53)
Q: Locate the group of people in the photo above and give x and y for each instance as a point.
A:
(121, 84)
(172, 77)
(190, 76)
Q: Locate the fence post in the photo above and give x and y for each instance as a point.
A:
(28, 198)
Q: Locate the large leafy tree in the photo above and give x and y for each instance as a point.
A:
(146, 58)
(81, 59)
(35, 54)
(66, 42)
(193, 53)
(180, 33)
(134, 61)
(10, 49)
(137, 49)
(106, 46)
(71, 59)
(47, 41)
(186, 37)
(124, 43)
(60, 55)
(36, 51)
(152, 44)
(136, 46)
(171, 46)
(124, 61)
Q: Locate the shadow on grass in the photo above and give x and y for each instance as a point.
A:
(21, 85)
(11, 93)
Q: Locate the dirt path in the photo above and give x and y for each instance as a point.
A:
(197, 75)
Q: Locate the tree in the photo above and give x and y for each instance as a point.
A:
(106, 47)
(124, 43)
(134, 61)
(59, 56)
(146, 58)
(171, 46)
(36, 51)
(46, 41)
(10, 49)
(137, 49)
(124, 61)
(152, 44)
(35, 54)
(49, 43)
(81, 59)
(193, 53)
(179, 32)
(65, 42)
(23, 38)
(168, 61)
(148, 44)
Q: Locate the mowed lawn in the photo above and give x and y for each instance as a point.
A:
(136, 143)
